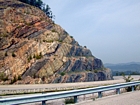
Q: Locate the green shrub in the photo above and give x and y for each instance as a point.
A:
(6, 54)
(44, 40)
(69, 101)
(19, 77)
(3, 35)
(50, 41)
(13, 80)
(60, 40)
(29, 58)
(128, 79)
(54, 30)
(62, 73)
(28, 24)
(13, 54)
(34, 56)
(39, 56)
(3, 76)
(95, 71)
(71, 36)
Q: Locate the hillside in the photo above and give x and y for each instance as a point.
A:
(127, 68)
(34, 49)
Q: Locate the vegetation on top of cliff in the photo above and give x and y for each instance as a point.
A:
(40, 5)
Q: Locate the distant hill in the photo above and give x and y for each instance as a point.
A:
(120, 64)
(127, 68)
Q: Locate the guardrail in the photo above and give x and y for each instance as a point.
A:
(72, 93)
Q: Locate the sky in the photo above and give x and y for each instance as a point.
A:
(109, 28)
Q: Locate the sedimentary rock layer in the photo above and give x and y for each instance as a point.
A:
(33, 49)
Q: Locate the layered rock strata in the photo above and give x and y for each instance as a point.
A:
(33, 49)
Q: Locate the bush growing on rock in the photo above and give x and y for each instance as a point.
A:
(19, 77)
(13, 54)
(30, 58)
(95, 71)
(6, 54)
(62, 73)
(3, 76)
(13, 80)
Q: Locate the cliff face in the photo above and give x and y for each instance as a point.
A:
(35, 49)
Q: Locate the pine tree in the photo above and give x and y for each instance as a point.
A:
(24, 1)
(40, 5)
(32, 2)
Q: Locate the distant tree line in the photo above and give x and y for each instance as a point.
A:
(117, 73)
(40, 5)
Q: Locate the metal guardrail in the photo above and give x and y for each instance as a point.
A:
(72, 93)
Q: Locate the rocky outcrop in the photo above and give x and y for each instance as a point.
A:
(84, 76)
(33, 46)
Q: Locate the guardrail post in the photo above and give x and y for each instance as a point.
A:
(43, 102)
(133, 88)
(75, 99)
(99, 94)
(118, 91)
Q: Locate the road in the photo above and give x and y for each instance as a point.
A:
(131, 98)
(117, 79)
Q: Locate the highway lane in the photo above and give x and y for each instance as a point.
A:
(129, 98)
(117, 79)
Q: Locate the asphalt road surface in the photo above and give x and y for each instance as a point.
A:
(131, 98)
(117, 79)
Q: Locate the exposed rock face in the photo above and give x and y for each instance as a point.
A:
(32, 46)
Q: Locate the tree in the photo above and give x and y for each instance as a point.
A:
(24, 1)
(85, 46)
(48, 12)
(32, 2)
(122, 73)
(40, 5)
(117, 74)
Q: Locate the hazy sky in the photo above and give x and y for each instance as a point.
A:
(109, 28)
